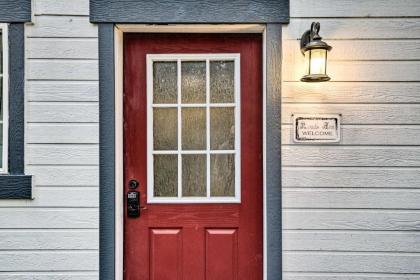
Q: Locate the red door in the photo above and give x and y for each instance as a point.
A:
(193, 141)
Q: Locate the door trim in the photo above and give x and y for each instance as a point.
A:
(111, 142)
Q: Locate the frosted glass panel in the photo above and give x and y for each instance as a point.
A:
(165, 175)
(192, 110)
(194, 175)
(193, 85)
(165, 82)
(222, 128)
(165, 128)
(222, 170)
(222, 81)
(317, 61)
(193, 128)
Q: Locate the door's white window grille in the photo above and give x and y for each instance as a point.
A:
(193, 116)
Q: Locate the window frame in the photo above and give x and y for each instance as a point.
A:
(15, 184)
(5, 97)
(207, 57)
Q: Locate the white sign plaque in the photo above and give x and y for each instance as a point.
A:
(316, 128)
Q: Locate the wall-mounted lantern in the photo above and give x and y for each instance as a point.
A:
(315, 51)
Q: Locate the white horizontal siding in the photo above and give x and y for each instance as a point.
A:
(353, 262)
(51, 260)
(62, 275)
(64, 48)
(66, 112)
(41, 69)
(61, 7)
(62, 90)
(353, 240)
(62, 27)
(350, 156)
(63, 133)
(356, 28)
(347, 276)
(66, 154)
(351, 198)
(399, 114)
(62, 175)
(351, 92)
(345, 219)
(45, 218)
(351, 177)
(370, 135)
(59, 197)
(55, 236)
(49, 239)
(351, 210)
(354, 8)
(360, 50)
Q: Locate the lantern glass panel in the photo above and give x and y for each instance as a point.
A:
(307, 62)
(318, 59)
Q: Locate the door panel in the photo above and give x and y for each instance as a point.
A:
(195, 238)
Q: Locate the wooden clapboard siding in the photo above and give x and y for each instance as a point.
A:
(360, 71)
(41, 69)
(398, 114)
(55, 235)
(347, 219)
(62, 27)
(357, 28)
(346, 276)
(62, 133)
(61, 7)
(62, 90)
(59, 197)
(362, 198)
(351, 177)
(351, 210)
(351, 92)
(62, 275)
(353, 8)
(46, 218)
(64, 48)
(299, 155)
(353, 262)
(370, 135)
(360, 50)
(48, 239)
(351, 240)
(85, 260)
(66, 112)
(63, 175)
(66, 154)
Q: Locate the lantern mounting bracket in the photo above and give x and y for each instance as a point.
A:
(311, 39)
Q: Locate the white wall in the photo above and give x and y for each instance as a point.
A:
(352, 210)
(55, 236)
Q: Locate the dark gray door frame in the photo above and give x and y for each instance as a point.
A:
(108, 153)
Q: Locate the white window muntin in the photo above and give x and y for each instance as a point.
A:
(5, 97)
(150, 59)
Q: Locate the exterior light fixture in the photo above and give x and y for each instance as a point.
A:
(315, 51)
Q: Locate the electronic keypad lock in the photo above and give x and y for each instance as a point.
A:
(133, 204)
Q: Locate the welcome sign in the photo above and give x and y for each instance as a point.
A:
(316, 128)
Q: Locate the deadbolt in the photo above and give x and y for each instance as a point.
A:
(133, 184)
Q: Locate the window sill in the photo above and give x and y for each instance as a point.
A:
(15, 187)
